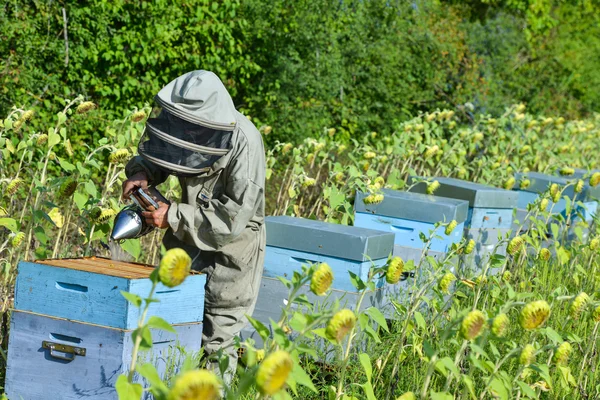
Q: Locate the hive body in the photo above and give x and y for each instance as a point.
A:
(70, 334)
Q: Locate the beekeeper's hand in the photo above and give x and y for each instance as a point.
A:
(157, 218)
(137, 180)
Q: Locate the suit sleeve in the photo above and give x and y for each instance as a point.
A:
(155, 175)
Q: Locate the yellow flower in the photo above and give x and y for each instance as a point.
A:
(500, 325)
(430, 117)
(85, 107)
(446, 281)
(56, 217)
(543, 206)
(379, 182)
(432, 187)
(13, 186)
(267, 130)
(431, 151)
(579, 304)
(515, 245)
(104, 215)
(138, 116)
(308, 182)
(472, 325)
(321, 279)
(118, 156)
(273, 372)
(174, 267)
(340, 325)
(595, 179)
(527, 356)
(369, 155)
(509, 183)
(534, 314)
(407, 396)
(67, 188)
(579, 186)
(544, 254)
(17, 239)
(195, 384)
(373, 199)
(42, 139)
(562, 354)
(470, 246)
(394, 270)
(567, 171)
(286, 148)
(450, 227)
(27, 115)
(596, 314)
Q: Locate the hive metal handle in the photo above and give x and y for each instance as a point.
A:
(70, 351)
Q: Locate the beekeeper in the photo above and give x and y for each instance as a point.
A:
(196, 133)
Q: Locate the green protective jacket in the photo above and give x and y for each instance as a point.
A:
(221, 210)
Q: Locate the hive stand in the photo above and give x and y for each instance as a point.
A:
(70, 335)
(293, 242)
(489, 216)
(540, 183)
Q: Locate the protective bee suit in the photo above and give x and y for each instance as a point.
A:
(196, 133)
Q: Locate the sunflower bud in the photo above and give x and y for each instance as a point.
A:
(41, 140)
(578, 305)
(308, 182)
(566, 171)
(500, 325)
(321, 279)
(138, 116)
(477, 137)
(3, 212)
(369, 155)
(104, 215)
(445, 282)
(13, 186)
(472, 325)
(515, 245)
(27, 115)
(450, 227)
(596, 314)
(525, 183)
(373, 199)
(594, 243)
(544, 254)
(562, 354)
(273, 372)
(340, 325)
(118, 156)
(579, 186)
(509, 183)
(470, 246)
(174, 267)
(339, 177)
(394, 270)
(595, 179)
(519, 116)
(407, 396)
(331, 132)
(534, 314)
(520, 108)
(432, 187)
(69, 148)
(506, 276)
(67, 188)
(379, 182)
(527, 356)
(543, 206)
(555, 193)
(286, 148)
(17, 239)
(196, 384)
(431, 151)
(341, 148)
(85, 107)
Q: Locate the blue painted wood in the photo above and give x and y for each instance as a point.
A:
(492, 218)
(96, 298)
(283, 262)
(33, 373)
(407, 232)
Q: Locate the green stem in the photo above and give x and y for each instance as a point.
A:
(138, 338)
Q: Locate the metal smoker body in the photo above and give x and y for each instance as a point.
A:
(129, 222)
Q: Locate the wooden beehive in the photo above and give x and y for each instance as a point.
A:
(70, 333)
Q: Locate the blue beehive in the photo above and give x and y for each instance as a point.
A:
(293, 242)
(71, 330)
(490, 213)
(539, 183)
(409, 215)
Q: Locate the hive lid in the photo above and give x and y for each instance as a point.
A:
(103, 266)
(317, 237)
(541, 182)
(415, 207)
(477, 194)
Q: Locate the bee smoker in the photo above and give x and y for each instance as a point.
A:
(129, 222)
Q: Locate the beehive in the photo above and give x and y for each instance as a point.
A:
(490, 214)
(410, 215)
(70, 333)
(293, 242)
(540, 183)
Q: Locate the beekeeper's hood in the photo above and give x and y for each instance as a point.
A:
(191, 125)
